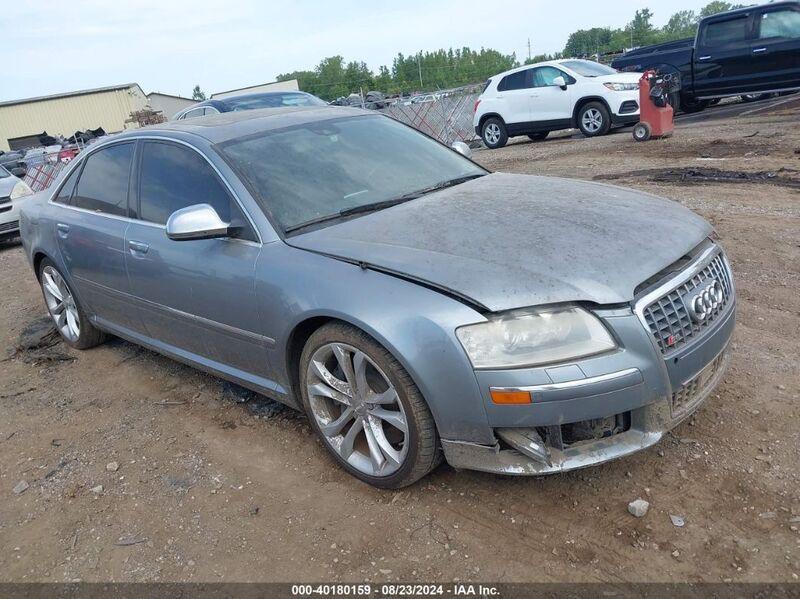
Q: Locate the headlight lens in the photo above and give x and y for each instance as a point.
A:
(21, 190)
(534, 336)
(621, 87)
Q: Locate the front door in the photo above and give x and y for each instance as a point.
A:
(550, 104)
(776, 48)
(91, 233)
(197, 296)
(722, 62)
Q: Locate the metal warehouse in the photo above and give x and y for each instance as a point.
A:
(64, 114)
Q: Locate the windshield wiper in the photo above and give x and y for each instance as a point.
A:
(374, 207)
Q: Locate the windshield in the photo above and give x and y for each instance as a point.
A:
(4, 173)
(274, 101)
(308, 172)
(587, 68)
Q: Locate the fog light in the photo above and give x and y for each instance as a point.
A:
(500, 396)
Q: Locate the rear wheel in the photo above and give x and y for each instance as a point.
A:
(594, 119)
(690, 105)
(365, 408)
(494, 133)
(65, 309)
(538, 136)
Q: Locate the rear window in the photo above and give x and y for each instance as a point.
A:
(724, 33)
(274, 101)
(103, 185)
(485, 85)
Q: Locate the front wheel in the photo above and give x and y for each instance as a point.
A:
(365, 408)
(594, 119)
(494, 133)
(65, 309)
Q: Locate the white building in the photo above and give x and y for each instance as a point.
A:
(275, 86)
(168, 104)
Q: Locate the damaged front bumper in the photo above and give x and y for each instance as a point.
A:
(530, 452)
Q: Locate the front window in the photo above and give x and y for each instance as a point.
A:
(780, 24)
(587, 68)
(274, 100)
(546, 76)
(315, 172)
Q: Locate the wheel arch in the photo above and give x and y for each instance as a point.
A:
(486, 117)
(583, 102)
(38, 257)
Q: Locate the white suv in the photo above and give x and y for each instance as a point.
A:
(539, 98)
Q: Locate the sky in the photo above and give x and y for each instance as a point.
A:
(54, 46)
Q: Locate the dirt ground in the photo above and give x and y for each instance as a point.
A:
(208, 488)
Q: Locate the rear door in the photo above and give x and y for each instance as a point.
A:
(91, 233)
(722, 57)
(551, 105)
(195, 296)
(515, 95)
(776, 47)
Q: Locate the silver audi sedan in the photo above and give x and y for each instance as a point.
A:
(415, 306)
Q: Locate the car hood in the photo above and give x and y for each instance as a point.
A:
(7, 185)
(507, 241)
(619, 78)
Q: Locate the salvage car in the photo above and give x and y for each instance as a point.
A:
(751, 51)
(12, 192)
(414, 305)
(536, 99)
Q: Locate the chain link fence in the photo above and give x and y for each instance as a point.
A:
(447, 118)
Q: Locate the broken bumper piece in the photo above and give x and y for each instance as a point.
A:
(551, 449)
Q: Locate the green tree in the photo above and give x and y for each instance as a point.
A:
(198, 94)
(718, 6)
(586, 42)
(681, 24)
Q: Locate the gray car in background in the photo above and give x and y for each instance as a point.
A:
(414, 305)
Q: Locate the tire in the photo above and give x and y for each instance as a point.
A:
(66, 311)
(594, 119)
(539, 136)
(493, 133)
(642, 131)
(414, 456)
(675, 102)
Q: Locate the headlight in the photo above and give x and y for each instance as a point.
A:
(534, 336)
(621, 87)
(21, 190)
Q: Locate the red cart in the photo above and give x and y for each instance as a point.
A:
(655, 112)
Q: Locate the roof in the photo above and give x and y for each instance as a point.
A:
(233, 125)
(170, 96)
(241, 89)
(81, 92)
(748, 9)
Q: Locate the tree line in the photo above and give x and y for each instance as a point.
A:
(445, 69)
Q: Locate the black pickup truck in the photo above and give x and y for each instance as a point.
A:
(750, 50)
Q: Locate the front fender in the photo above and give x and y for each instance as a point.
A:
(415, 324)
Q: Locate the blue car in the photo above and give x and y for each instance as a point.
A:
(414, 305)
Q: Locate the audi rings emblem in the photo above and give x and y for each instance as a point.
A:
(705, 300)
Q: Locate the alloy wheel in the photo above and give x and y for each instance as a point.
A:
(61, 304)
(357, 409)
(592, 120)
(491, 133)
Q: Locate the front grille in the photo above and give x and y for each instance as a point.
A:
(12, 226)
(669, 318)
(685, 398)
(5, 199)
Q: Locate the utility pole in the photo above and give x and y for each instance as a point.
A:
(419, 67)
(529, 48)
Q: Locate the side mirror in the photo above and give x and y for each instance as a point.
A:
(462, 148)
(200, 221)
(559, 81)
(19, 171)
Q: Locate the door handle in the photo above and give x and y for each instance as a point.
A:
(759, 50)
(704, 58)
(138, 247)
(63, 230)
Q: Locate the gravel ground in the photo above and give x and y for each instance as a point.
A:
(140, 469)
